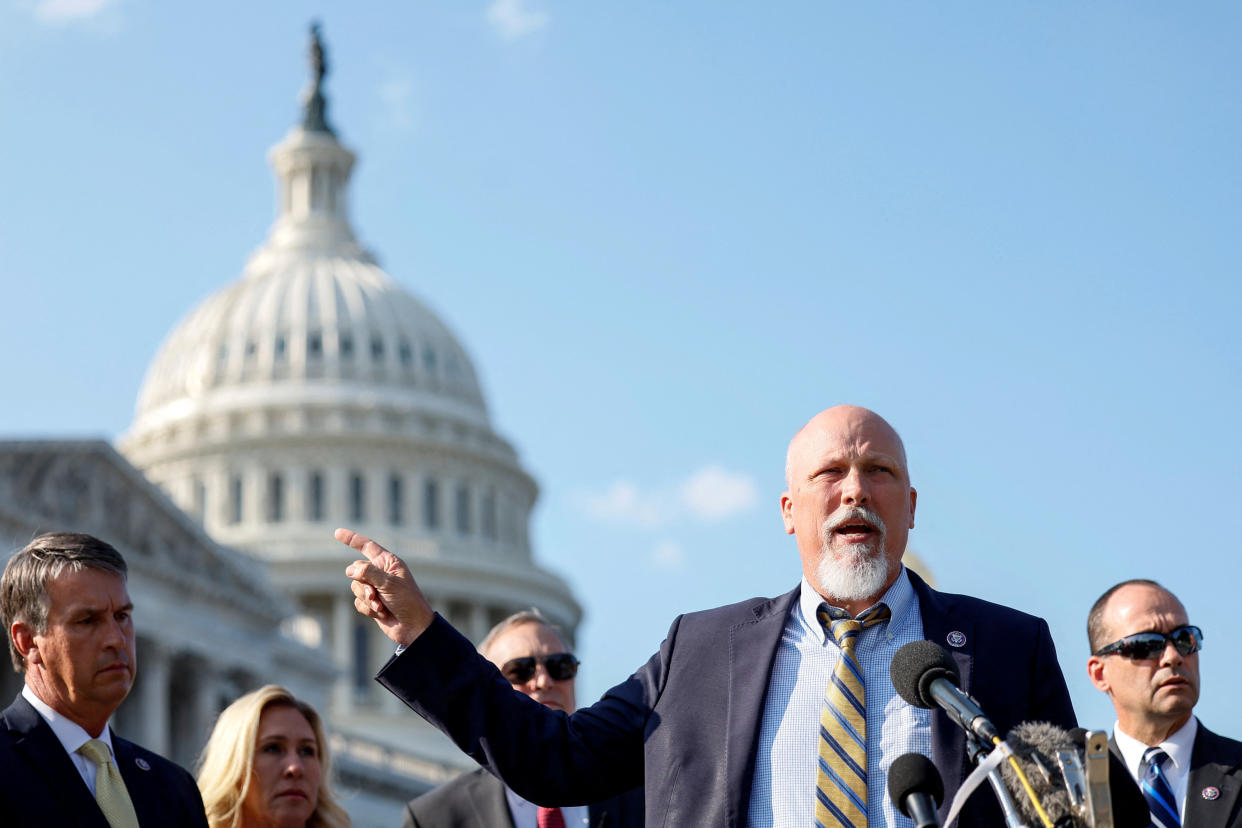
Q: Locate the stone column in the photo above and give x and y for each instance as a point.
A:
(152, 697)
(206, 700)
(341, 637)
(478, 622)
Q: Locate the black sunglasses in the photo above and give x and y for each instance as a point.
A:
(560, 666)
(1142, 646)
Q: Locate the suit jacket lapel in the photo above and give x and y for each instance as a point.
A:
(1210, 767)
(46, 755)
(143, 785)
(939, 623)
(752, 650)
(487, 797)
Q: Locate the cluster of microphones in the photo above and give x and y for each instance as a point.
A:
(1043, 776)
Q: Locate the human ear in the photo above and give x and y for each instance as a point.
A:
(787, 512)
(24, 639)
(1095, 672)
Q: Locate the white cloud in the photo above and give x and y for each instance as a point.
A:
(622, 502)
(69, 11)
(714, 493)
(668, 554)
(711, 494)
(514, 19)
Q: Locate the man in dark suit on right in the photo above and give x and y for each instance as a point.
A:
(536, 660)
(1145, 656)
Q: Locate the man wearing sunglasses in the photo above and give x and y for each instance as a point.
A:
(532, 656)
(1145, 656)
(768, 712)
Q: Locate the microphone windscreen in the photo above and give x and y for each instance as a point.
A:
(1035, 745)
(913, 773)
(915, 666)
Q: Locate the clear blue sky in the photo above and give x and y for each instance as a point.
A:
(669, 233)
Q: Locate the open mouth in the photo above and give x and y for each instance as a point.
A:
(854, 528)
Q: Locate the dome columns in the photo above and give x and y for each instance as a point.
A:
(312, 170)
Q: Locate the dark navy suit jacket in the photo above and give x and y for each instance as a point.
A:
(1214, 790)
(686, 725)
(39, 785)
(477, 800)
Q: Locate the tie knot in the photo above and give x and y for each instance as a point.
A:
(1154, 758)
(844, 629)
(96, 751)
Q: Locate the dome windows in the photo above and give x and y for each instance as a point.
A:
(461, 509)
(357, 497)
(431, 504)
(236, 490)
(275, 505)
(314, 497)
(396, 500)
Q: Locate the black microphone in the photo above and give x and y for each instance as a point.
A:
(924, 674)
(1129, 806)
(914, 786)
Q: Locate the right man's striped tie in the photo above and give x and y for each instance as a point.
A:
(1157, 791)
(841, 784)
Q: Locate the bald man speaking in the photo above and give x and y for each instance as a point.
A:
(769, 712)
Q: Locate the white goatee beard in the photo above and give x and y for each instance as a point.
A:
(857, 571)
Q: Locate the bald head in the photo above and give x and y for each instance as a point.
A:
(831, 419)
(849, 504)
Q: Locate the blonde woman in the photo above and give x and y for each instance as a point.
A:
(266, 766)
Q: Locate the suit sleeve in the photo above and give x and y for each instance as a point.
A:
(1050, 698)
(544, 755)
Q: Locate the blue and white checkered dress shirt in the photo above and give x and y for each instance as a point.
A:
(783, 791)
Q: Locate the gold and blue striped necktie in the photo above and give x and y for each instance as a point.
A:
(841, 784)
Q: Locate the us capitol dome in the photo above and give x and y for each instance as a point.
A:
(315, 392)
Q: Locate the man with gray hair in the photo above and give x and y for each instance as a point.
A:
(70, 627)
(536, 660)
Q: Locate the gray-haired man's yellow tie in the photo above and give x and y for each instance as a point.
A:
(110, 793)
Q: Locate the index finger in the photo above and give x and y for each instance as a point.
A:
(360, 543)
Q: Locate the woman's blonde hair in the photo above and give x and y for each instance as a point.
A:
(226, 767)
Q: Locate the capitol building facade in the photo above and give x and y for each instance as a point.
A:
(312, 392)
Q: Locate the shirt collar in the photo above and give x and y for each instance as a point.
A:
(899, 598)
(1178, 746)
(71, 734)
